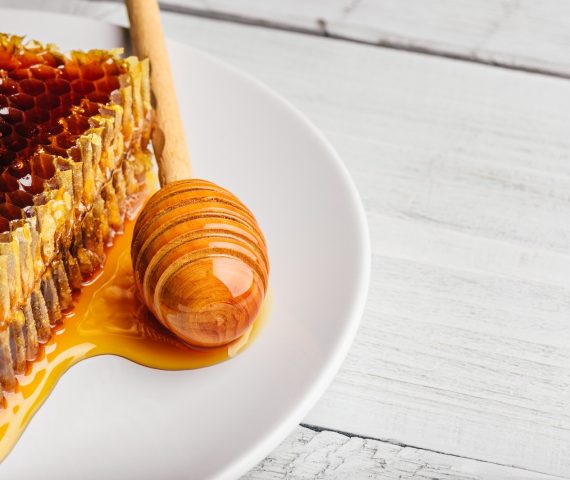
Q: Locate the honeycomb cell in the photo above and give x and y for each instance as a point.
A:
(6, 158)
(28, 59)
(64, 140)
(54, 149)
(19, 74)
(71, 71)
(82, 87)
(109, 84)
(42, 166)
(49, 59)
(75, 123)
(15, 143)
(5, 128)
(97, 97)
(52, 128)
(20, 198)
(7, 85)
(43, 72)
(27, 130)
(89, 108)
(93, 72)
(22, 101)
(37, 116)
(19, 169)
(48, 101)
(10, 212)
(7, 62)
(58, 86)
(11, 115)
(7, 182)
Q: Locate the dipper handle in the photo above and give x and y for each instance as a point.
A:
(168, 138)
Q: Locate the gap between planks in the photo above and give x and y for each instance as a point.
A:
(316, 428)
(324, 32)
(312, 452)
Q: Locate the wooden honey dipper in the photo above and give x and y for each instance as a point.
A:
(199, 258)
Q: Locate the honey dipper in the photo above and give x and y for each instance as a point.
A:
(199, 258)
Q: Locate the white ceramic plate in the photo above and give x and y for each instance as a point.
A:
(109, 418)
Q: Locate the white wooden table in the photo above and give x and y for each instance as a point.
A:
(453, 118)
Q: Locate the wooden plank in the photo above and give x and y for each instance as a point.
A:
(307, 454)
(464, 172)
(517, 33)
(520, 34)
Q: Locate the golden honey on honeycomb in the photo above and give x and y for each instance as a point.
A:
(73, 152)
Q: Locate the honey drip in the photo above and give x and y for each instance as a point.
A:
(108, 318)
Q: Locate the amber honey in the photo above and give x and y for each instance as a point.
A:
(108, 318)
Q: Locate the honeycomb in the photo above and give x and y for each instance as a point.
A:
(73, 151)
(46, 102)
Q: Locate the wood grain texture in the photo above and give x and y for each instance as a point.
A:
(464, 173)
(200, 262)
(517, 33)
(307, 455)
(168, 141)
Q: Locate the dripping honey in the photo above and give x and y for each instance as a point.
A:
(108, 318)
